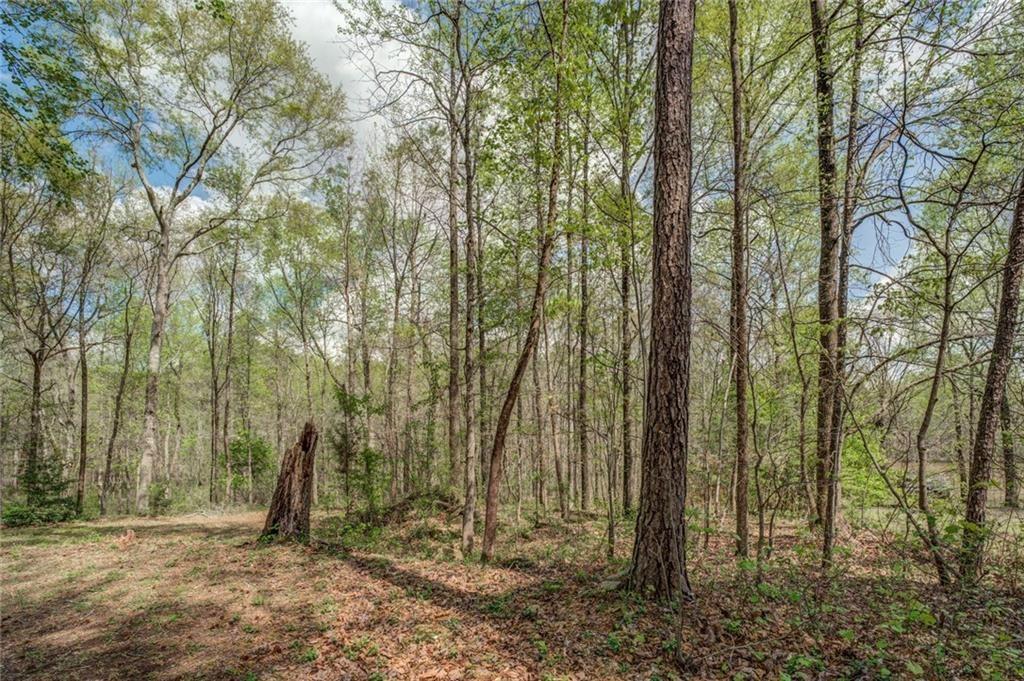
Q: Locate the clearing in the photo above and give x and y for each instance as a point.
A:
(196, 597)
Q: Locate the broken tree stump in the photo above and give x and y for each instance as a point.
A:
(293, 496)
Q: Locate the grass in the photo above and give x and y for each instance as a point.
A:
(196, 597)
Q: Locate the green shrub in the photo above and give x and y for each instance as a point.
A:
(16, 514)
(159, 498)
(248, 447)
(861, 481)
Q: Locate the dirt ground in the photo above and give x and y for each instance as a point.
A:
(195, 597)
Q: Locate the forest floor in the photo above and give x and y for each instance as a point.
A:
(196, 597)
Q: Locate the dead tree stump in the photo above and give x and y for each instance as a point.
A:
(293, 496)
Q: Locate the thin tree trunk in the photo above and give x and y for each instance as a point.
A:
(538, 439)
(454, 473)
(828, 270)
(227, 376)
(851, 184)
(34, 439)
(995, 385)
(560, 476)
(83, 433)
(472, 400)
(211, 342)
(929, 411)
(161, 300)
(738, 317)
(626, 36)
(584, 328)
(536, 308)
(115, 425)
(961, 445)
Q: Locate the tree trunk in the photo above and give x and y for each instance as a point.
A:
(34, 441)
(161, 300)
(227, 377)
(214, 386)
(851, 184)
(83, 433)
(627, 30)
(828, 270)
(995, 385)
(293, 497)
(390, 422)
(1010, 494)
(659, 553)
(582, 424)
(561, 481)
(472, 399)
(929, 411)
(961, 445)
(536, 307)
(116, 423)
(738, 317)
(454, 474)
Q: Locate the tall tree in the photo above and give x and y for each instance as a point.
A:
(547, 240)
(738, 298)
(828, 271)
(154, 101)
(659, 552)
(974, 532)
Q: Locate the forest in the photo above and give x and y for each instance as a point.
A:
(511, 339)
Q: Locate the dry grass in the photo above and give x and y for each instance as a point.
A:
(195, 597)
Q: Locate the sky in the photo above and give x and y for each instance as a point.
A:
(316, 24)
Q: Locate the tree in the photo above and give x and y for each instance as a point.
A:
(176, 88)
(659, 553)
(42, 90)
(293, 497)
(95, 217)
(974, 529)
(738, 299)
(828, 272)
(547, 239)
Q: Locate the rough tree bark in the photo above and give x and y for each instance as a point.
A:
(289, 509)
(828, 269)
(995, 386)
(995, 383)
(738, 307)
(659, 553)
(1010, 492)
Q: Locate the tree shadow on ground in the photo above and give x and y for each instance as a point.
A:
(55, 535)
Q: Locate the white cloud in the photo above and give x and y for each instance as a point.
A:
(316, 24)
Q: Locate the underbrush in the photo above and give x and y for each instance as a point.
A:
(20, 514)
(877, 613)
(551, 604)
